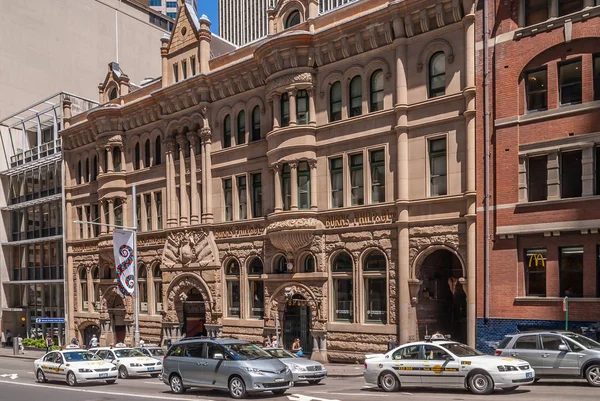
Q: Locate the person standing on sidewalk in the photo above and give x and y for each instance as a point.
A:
(9, 338)
(49, 343)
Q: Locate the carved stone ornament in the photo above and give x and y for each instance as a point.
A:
(188, 247)
(293, 234)
(290, 79)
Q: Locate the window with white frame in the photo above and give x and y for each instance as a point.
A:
(256, 195)
(357, 188)
(228, 199)
(232, 278)
(242, 198)
(377, 158)
(343, 287)
(437, 167)
(336, 168)
(257, 289)
(375, 287)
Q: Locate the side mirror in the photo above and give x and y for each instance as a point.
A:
(218, 356)
(563, 347)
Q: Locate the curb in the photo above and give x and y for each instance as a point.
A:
(25, 357)
(341, 375)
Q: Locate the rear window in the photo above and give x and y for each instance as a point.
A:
(526, 342)
(504, 342)
(175, 350)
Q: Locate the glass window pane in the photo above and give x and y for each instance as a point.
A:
(537, 177)
(376, 300)
(570, 82)
(571, 185)
(535, 272)
(344, 300)
(571, 272)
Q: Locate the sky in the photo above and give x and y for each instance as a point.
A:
(210, 8)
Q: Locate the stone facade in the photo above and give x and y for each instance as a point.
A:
(327, 191)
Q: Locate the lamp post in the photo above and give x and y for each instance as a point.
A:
(133, 230)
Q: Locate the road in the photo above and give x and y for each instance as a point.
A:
(17, 383)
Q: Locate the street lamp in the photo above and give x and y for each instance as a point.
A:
(133, 230)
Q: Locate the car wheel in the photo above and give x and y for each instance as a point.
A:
(154, 374)
(40, 376)
(389, 382)
(176, 384)
(71, 379)
(481, 383)
(592, 375)
(111, 381)
(237, 388)
(314, 381)
(281, 391)
(123, 373)
(510, 389)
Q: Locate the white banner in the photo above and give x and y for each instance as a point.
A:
(124, 261)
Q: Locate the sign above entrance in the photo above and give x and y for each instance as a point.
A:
(50, 320)
(360, 219)
(239, 231)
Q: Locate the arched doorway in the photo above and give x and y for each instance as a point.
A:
(442, 302)
(194, 314)
(296, 323)
(116, 310)
(88, 332)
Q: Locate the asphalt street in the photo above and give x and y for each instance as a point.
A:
(17, 383)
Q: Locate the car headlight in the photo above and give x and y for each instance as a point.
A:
(507, 368)
(135, 365)
(255, 371)
(158, 364)
(113, 368)
(298, 367)
(85, 370)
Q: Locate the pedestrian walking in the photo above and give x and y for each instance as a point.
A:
(49, 343)
(94, 341)
(274, 342)
(20, 344)
(9, 338)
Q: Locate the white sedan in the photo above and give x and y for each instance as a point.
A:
(129, 361)
(445, 364)
(74, 366)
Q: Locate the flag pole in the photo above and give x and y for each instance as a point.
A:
(135, 269)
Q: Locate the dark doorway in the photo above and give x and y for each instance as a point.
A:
(296, 323)
(442, 303)
(88, 332)
(120, 332)
(117, 312)
(194, 316)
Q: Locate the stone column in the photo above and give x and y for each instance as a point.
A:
(206, 135)
(522, 18)
(587, 169)
(109, 156)
(313, 184)
(111, 214)
(193, 139)
(277, 191)
(143, 223)
(183, 197)
(276, 110)
(164, 52)
(103, 221)
(553, 13)
(553, 176)
(101, 156)
(172, 207)
(312, 113)
(292, 96)
(588, 3)
(294, 185)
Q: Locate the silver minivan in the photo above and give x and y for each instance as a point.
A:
(237, 366)
(555, 354)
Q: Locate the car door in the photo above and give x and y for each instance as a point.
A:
(49, 366)
(556, 361)
(526, 347)
(439, 367)
(190, 365)
(61, 369)
(407, 362)
(215, 359)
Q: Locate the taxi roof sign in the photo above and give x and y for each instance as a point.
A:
(437, 337)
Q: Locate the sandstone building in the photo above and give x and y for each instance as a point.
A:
(321, 180)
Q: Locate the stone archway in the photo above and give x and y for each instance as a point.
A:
(179, 291)
(442, 301)
(119, 313)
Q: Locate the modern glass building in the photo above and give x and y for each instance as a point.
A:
(32, 297)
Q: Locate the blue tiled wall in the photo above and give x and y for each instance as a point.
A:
(490, 333)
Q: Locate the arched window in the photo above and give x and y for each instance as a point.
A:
(118, 212)
(285, 110)
(147, 153)
(117, 159)
(293, 19)
(343, 284)
(157, 279)
(112, 95)
(227, 131)
(143, 288)
(309, 264)
(157, 152)
(79, 173)
(136, 157)
(376, 103)
(356, 96)
(302, 112)
(241, 128)
(232, 277)
(303, 185)
(256, 124)
(281, 265)
(95, 168)
(84, 289)
(437, 75)
(86, 178)
(375, 287)
(257, 289)
(335, 102)
(95, 273)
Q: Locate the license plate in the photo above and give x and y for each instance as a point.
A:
(528, 375)
(103, 374)
(279, 380)
(150, 369)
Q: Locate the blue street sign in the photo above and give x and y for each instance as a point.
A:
(50, 320)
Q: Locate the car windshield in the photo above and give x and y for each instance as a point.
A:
(280, 353)
(157, 351)
(585, 341)
(80, 356)
(462, 350)
(247, 352)
(128, 353)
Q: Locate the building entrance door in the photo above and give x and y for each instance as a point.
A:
(194, 316)
(296, 324)
(88, 333)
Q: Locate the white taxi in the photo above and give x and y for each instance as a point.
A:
(129, 361)
(74, 366)
(445, 364)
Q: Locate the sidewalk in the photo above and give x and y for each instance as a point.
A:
(30, 354)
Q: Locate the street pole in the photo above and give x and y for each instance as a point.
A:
(136, 305)
(566, 313)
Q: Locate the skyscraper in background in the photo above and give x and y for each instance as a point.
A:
(168, 7)
(244, 21)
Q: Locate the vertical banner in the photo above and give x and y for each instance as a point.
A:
(124, 261)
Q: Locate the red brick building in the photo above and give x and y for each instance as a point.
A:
(544, 167)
